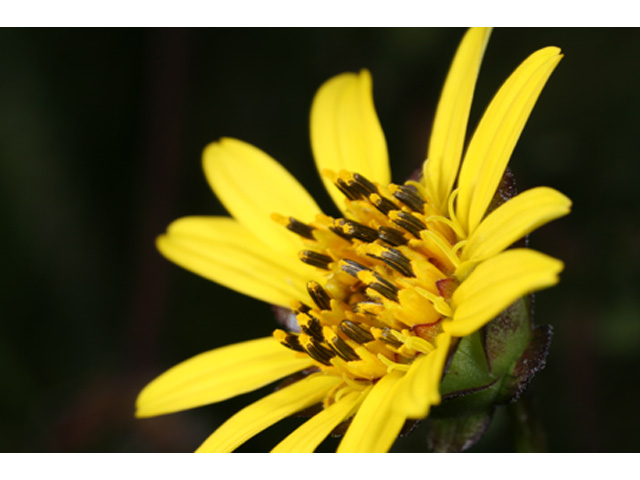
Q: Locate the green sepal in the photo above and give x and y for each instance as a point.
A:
(490, 367)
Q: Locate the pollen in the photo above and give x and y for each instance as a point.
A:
(389, 267)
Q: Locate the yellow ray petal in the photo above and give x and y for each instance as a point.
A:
(450, 123)
(265, 412)
(310, 434)
(497, 283)
(421, 387)
(497, 134)
(218, 375)
(252, 185)
(513, 220)
(377, 424)
(346, 133)
(227, 231)
(222, 250)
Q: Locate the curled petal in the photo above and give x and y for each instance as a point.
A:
(513, 220)
(497, 283)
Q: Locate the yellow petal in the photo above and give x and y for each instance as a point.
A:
(513, 220)
(421, 387)
(252, 185)
(222, 250)
(346, 133)
(253, 419)
(450, 123)
(310, 434)
(497, 283)
(218, 375)
(497, 134)
(377, 424)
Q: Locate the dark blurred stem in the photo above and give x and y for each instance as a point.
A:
(528, 433)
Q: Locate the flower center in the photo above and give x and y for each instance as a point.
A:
(389, 266)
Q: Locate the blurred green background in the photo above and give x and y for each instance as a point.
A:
(101, 132)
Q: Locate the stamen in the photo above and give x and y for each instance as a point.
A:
(315, 259)
(300, 228)
(391, 365)
(356, 184)
(368, 308)
(379, 284)
(383, 204)
(386, 335)
(311, 326)
(302, 308)
(443, 245)
(452, 214)
(408, 221)
(459, 245)
(454, 226)
(418, 344)
(439, 303)
(289, 340)
(319, 295)
(352, 268)
(355, 332)
(316, 350)
(339, 346)
(364, 184)
(392, 236)
(393, 258)
(347, 191)
(355, 230)
(408, 195)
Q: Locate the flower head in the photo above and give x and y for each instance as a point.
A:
(377, 297)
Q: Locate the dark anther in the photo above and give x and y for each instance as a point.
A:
(303, 308)
(396, 260)
(385, 288)
(410, 197)
(300, 228)
(392, 236)
(366, 308)
(352, 268)
(315, 259)
(383, 204)
(387, 337)
(319, 295)
(410, 223)
(364, 183)
(319, 352)
(347, 190)
(312, 327)
(291, 341)
(355, 332)
(354, 230)
(343, 350)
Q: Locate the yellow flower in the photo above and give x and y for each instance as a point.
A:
(380, 294)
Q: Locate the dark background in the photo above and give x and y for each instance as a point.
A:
(101, 133)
